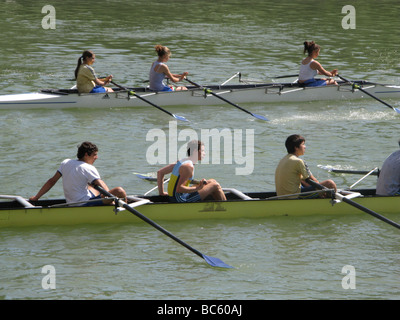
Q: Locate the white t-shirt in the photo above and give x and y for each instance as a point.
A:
(389, 177)
(76, 176)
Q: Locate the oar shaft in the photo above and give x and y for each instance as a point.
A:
(359, 180)
(218, 96)
(226, 100)
(372, 213)
(149, 102)
(367, 93)
(374, 173)
(356, 205)
(214, 262)
(287, 76)
(149, 221)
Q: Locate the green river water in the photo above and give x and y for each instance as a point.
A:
(274, 258)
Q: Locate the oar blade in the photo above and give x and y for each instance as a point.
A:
(396, 109)
(180, 118)
(215, 262)
(259, 117)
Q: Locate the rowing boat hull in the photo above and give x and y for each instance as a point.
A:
(260, 93)
(209, 210)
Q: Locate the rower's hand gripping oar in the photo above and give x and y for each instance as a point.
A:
(209, 91)
(214, 262)
(356, 86)
(354, 204)
(131, 92)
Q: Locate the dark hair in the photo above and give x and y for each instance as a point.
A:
(310, 47)
(85, 54)
(193, 145)
(293, 141)
(86, 147)
(162, 50)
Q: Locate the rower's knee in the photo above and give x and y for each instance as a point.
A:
(214, 184)
(118, 192)
(330, 184)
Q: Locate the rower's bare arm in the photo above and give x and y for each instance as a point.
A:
(101, 183)
(47, 186)
(160, 178)
(173, 77)
(324, 72)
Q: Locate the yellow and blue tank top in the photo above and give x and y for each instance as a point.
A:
(174, 178)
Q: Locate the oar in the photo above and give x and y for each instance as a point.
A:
(359, 180)
(151, 176)
(214, 262)
(131, 92)
(206, 90)
(287, 76)
(151, 190)
(375, 172)
(356, 86)
(355, 204)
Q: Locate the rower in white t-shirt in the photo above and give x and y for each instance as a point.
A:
(78, 176)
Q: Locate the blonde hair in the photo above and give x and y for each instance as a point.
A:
(162, 50)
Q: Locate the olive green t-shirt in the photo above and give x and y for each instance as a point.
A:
(85, 79)
(289, 173)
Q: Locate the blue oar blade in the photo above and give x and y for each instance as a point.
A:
(215, 262)
(180, 118)
(396, 109)
(145, 176)
(259, 117)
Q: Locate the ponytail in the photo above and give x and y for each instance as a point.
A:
(85, 54)
(310, 47)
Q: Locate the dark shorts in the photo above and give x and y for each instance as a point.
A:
(94, 203)
(186, 197)
(310, 195)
